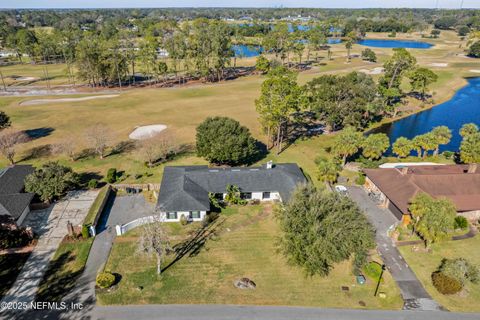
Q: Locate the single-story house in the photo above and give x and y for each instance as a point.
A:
(14, 201)
(395, 187)
(184, 190)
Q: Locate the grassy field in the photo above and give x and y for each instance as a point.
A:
(423, 264)
(64, 269)
(183, 108)
(243, 245)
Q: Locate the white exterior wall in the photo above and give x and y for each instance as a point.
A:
(23, 216)
(259, 196)
(183, 213)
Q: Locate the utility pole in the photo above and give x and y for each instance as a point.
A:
(379, 280)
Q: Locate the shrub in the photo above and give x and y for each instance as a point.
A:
(448, 154)
(445, 284)
(93, 184)
(111, 175)
(85, 231)
(105, 280)
(360, 180)
(373, 270)
(15, 238)
(474, 50)
(460, 269)
(183, 220)
(460, 223)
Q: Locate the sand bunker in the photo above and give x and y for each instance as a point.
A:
(145, 132)
(25, 78)
(44, 101)
(475, 70)
(377, 70)
(439, 64)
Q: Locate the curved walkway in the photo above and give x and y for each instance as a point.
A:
(470, 234)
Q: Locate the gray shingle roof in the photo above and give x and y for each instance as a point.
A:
(12, 179)
(13, 200)
(186, 188)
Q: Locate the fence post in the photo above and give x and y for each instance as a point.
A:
(119, 230)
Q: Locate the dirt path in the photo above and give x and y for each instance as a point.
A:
(44, 101)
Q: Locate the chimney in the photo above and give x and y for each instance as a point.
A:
(270, 164)
(472, 168)
(404, 170)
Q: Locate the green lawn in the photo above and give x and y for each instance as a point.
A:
(64, 270)
(423, 264)
(10, 267)
(243, 245)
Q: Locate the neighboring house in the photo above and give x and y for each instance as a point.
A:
(14, 201)
(185, 189)
(395, 187)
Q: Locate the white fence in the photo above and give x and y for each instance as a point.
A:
(135, 223)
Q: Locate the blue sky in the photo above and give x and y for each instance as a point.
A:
(238, 3)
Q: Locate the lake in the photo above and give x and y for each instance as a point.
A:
(245, 51)
(385, 43)
(464, 107)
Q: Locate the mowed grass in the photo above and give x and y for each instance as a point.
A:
(183, 108)
(244, 246)
(423, 264)
(64, 270)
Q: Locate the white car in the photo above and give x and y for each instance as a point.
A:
(341, 189)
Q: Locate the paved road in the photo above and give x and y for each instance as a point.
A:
(228, 312)
(231, 312)
(51, 225)
(413, 293)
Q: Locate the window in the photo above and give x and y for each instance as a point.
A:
(266, 195)
(171, 215)
(246, 195)
(194, 214)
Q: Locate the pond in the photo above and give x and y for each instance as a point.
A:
(246, 51)
(385, 43)
(464, 107)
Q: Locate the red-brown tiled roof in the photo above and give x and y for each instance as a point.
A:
(450, 181)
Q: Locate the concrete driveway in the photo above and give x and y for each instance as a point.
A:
(118, 210)
(413, 293)
(51, 226)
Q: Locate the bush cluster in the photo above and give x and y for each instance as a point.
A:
(92, 184)
(105, 280)
(460, 223)
(453, 274)
(14, 238)
(445, 284)
(111, 175)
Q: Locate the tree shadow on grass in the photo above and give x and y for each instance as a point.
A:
(39, 132)
(192, 246)
(85, 177)
(57, 282)
(122, 147)
(38, 152)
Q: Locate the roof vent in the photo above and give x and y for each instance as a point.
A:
(270, 164)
